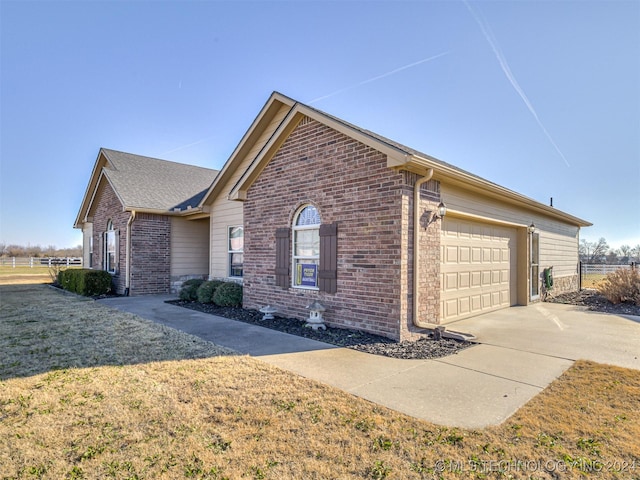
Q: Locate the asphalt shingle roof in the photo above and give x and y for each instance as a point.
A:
(151, 183)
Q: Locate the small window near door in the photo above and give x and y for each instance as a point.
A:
(534, 277)
(236, 251)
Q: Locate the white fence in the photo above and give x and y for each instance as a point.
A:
(602, 269)
(40, 261)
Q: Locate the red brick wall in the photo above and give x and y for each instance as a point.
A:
(150, 254)
(349, 183)
(108, 207)
(150, 245)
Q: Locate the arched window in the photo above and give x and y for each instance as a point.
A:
(306, 247)
(110, 248)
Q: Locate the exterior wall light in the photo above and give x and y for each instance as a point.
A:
(532, 228)
(440, 212)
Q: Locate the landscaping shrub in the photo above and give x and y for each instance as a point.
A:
(229, 294)
(623, 285)
(207, 289)
(85, 281)
(189, 289)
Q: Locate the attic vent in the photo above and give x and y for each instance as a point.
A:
(305, 120)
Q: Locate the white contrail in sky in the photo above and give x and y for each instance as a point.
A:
(186, 146)
(378, 77)
(488, 34)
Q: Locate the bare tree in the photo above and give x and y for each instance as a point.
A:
(625, 253)
(613, 257)
(593, 252)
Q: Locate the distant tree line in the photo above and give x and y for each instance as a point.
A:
(38, 251)
(600, 252)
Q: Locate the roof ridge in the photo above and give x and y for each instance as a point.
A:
(173, 162)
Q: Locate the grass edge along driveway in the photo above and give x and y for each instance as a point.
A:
(90, 392)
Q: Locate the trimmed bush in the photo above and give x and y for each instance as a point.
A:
(189, 289)
(623, 285)
(207, 289)
(85, 281)
(229, 294)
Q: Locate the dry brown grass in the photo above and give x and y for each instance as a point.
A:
(623, 285)
(24, 275)
(89, 392)
(592, 280)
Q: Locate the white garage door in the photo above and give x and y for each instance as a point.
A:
(478, 270)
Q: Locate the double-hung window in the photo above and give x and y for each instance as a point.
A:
(236, 251)
(306, 248)
(110, 248)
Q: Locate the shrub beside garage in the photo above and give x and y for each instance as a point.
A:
(85, 281)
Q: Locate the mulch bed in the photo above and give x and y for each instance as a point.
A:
(426, 348)
(595, 302)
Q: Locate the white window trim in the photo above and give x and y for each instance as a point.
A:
(230, 251)
(315, 258)
(112, 269)
(534, 279)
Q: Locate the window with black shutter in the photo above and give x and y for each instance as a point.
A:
(283, 240)
(328, 271)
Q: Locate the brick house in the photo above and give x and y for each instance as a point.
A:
(141, 222)
(327, 212)
(309, 207)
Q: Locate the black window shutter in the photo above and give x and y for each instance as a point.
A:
(328, 271)
(283, 258)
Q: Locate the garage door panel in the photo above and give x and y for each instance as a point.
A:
(464, 305)
(504, 276)
(477, 268)
(486, 301)
(451, 281)
(452, 254)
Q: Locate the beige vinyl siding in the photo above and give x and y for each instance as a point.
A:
(560, 252)
(227, 213)
(87, 233)
(189, 247)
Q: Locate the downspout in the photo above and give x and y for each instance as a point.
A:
(127, 280)
(416, 247)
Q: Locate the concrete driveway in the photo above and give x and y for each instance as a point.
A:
(562, 331)
(522, 350)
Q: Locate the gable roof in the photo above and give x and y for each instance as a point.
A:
(147, 184)
(266, 115)
(399, 157)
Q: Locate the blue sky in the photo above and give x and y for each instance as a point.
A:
(540, 97)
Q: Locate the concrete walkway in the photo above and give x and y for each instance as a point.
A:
(522, 350)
